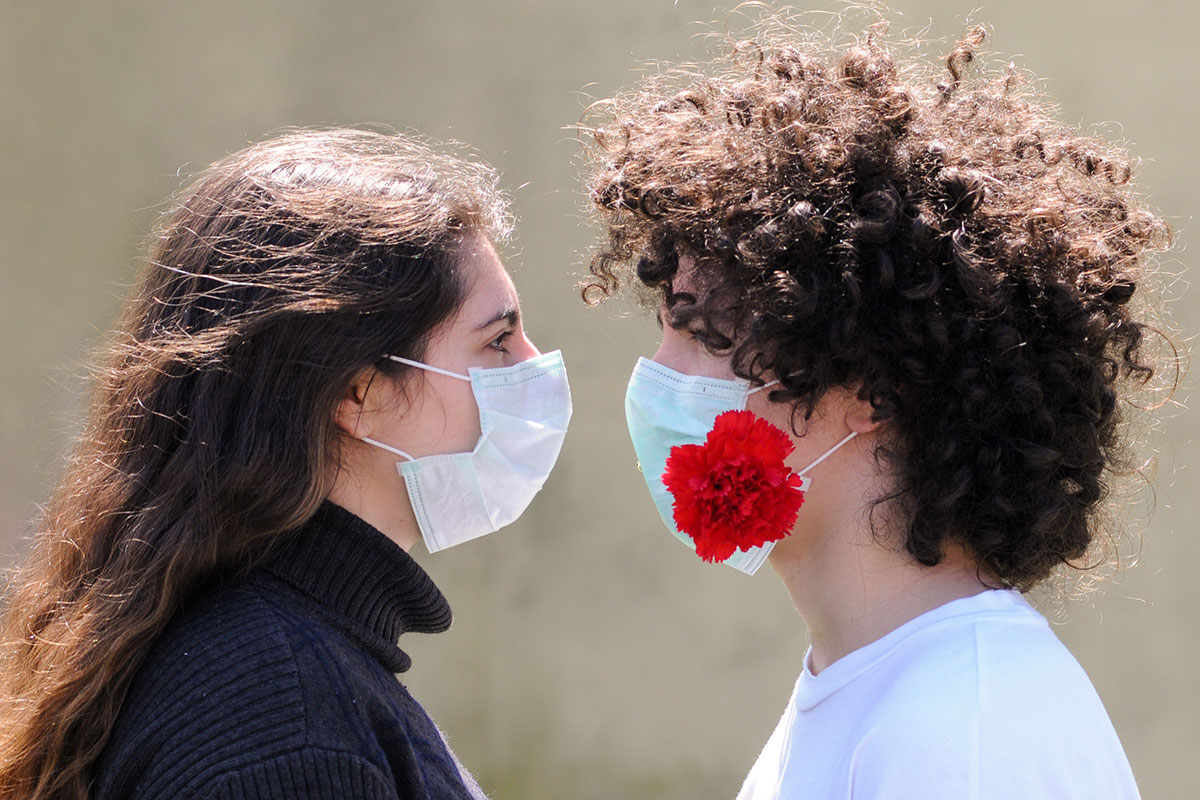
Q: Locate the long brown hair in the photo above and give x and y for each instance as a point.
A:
(277, 275)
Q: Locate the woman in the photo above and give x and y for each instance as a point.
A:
(324, 362)
(897, 349)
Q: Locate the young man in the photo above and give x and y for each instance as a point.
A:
(928, 278)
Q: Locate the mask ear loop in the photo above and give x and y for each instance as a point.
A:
(387, 447)
(804, 472)
(411, 363)
(827, 454)
(438, 370)
(760, 388)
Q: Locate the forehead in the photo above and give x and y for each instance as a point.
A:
(693, 278)
(688, 277)
(716, 306)
(489, 288)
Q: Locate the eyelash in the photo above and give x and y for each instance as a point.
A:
(498, 342)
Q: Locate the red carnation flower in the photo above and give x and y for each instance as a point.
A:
(734, 492)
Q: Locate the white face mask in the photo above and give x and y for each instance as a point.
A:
(523, 414)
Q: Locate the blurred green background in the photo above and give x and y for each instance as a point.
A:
(591, 656)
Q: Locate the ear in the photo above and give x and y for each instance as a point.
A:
(860, 414)
(352, 413)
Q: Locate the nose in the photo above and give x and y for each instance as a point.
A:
(682, 353)
(665, 356)
(671, 351)
(524, 349)
(678, 352)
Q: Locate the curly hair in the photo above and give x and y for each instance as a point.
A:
(949, 247)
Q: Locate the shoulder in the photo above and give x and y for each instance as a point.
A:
(305, 774)
(227, 687)
(225, 650)
(1000, 662)
(991, 705)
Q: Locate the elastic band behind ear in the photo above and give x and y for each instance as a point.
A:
(760, 388)
(388, 447)
(827, 454)
(438, 370)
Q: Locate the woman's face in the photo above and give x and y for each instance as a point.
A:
(435, 414)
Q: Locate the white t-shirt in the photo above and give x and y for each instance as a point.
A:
(975, 700)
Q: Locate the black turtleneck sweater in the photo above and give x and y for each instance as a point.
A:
(282, 684)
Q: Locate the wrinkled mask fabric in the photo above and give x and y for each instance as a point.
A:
(523, 415)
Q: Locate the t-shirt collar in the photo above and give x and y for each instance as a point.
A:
(812, 689)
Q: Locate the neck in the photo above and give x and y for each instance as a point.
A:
(852, 583)
(368, 485)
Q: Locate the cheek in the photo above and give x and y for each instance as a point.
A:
(452, 418)
(440, 420)
(780, 415)
(465, 419)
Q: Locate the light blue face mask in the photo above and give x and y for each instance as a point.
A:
(665, 409)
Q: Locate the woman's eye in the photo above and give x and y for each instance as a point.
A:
(498, 342)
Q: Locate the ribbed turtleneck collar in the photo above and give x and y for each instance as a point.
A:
(364, 582)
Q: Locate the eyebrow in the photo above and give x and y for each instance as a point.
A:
(509, 314)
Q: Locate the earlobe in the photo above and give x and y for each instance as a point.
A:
(860, 415)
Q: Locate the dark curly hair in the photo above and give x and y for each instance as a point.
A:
(949, 247)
